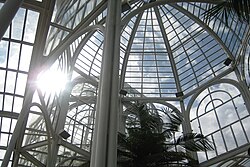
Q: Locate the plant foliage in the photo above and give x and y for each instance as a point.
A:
(149, 141)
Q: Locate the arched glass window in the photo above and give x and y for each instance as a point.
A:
(219, 112)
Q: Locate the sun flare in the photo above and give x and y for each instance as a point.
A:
(52, 81)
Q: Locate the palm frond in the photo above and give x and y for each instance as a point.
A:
(194, 142)
(147, 141)
(167, 157)
(175, 117)
(122, 140)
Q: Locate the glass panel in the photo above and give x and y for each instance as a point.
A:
(241, 107)
(89, 8)
(209, 126)
(17, 25)
(10, 82)
(8, 101)
(201, 156)
(18, 102)
(226, 115)
(31, 26)
(219, 143)
(26, 53)
(228, 136)
(239, 134)
(4, 139)
(1, 103)
(7, 33)
(2, 153)
(13, 124)
(21, 83)
(3, 53)
(5, 124)
(246, 126)
(14, 55)
(2, 80)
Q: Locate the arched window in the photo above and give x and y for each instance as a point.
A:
(219, 112)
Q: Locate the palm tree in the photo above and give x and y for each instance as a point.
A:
(228, 7)
(150, 142)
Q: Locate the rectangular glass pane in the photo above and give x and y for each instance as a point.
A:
(229, 139)
(3, 53)
(21, 84)
(5, 124)
(4, 139)
(17, 25)
(2, 80)
(10, 82)
(31, 26)
(14, 55)
(18, 103)
(1, 103)
(8, 101)
(26, 53)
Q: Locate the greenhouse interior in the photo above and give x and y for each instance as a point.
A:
(79, 76)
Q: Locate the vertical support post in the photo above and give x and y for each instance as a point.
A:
(245, 94)
(7, 13)
(59, 123)
(104, 148)
(186, 126)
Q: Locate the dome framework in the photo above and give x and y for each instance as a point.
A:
(162, 52)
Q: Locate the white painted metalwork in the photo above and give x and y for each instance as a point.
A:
(153, 51)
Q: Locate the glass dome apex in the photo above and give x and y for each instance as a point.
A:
(170, 48)
(166, 47)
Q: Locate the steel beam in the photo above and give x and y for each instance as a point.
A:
(7, 13)
(104, 147)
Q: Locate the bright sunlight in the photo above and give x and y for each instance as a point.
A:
(51, 81)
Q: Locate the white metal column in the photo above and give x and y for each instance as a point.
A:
(7, 13)
(104, 148)
(59, 125)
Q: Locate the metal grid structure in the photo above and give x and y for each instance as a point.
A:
(160, 52)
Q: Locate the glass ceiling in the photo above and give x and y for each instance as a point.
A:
(169, 54)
